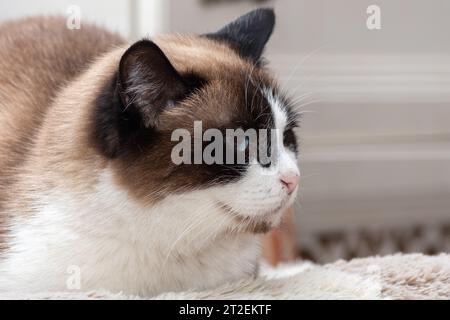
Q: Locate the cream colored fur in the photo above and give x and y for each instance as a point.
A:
(412, 276)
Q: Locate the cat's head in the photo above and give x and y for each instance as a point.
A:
(165, 91)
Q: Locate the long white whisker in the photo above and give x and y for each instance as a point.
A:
(300, 63)
(191, 226)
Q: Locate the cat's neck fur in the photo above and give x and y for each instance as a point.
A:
(137, 250)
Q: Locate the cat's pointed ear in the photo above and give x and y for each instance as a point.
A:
(148, 82)
(249, 33)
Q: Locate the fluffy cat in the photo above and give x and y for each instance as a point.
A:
(87, 185)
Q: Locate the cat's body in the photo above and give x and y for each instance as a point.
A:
(89, 193)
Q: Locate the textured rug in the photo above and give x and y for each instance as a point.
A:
(412, 276)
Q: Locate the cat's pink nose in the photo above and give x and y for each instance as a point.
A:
(290, 180)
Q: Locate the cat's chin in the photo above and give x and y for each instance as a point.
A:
(262, 222)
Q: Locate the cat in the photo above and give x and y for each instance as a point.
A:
(89, 196)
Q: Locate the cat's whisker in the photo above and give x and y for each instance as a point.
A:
(301, 84)
(262, 115)
(307, 104)
(247, 84)
(195, 222)
(301, 62)
(254, 95)
(299, 98)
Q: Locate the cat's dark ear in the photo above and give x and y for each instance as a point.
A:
(148, 82)
(249, 33)
(128, 107)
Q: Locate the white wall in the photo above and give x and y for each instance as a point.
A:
(113, 14)
(304, 25)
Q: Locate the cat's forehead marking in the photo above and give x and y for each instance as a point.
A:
(278, 110)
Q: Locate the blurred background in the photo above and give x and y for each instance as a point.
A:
(375, 134)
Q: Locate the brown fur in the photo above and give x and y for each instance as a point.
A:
(38, 56)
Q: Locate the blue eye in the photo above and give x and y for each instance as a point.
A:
(243, 145)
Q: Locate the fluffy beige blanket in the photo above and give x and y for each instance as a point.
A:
(413, 276)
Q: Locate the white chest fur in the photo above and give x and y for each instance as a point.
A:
(110, 242)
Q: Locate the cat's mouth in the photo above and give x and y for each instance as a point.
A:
(259, 223)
